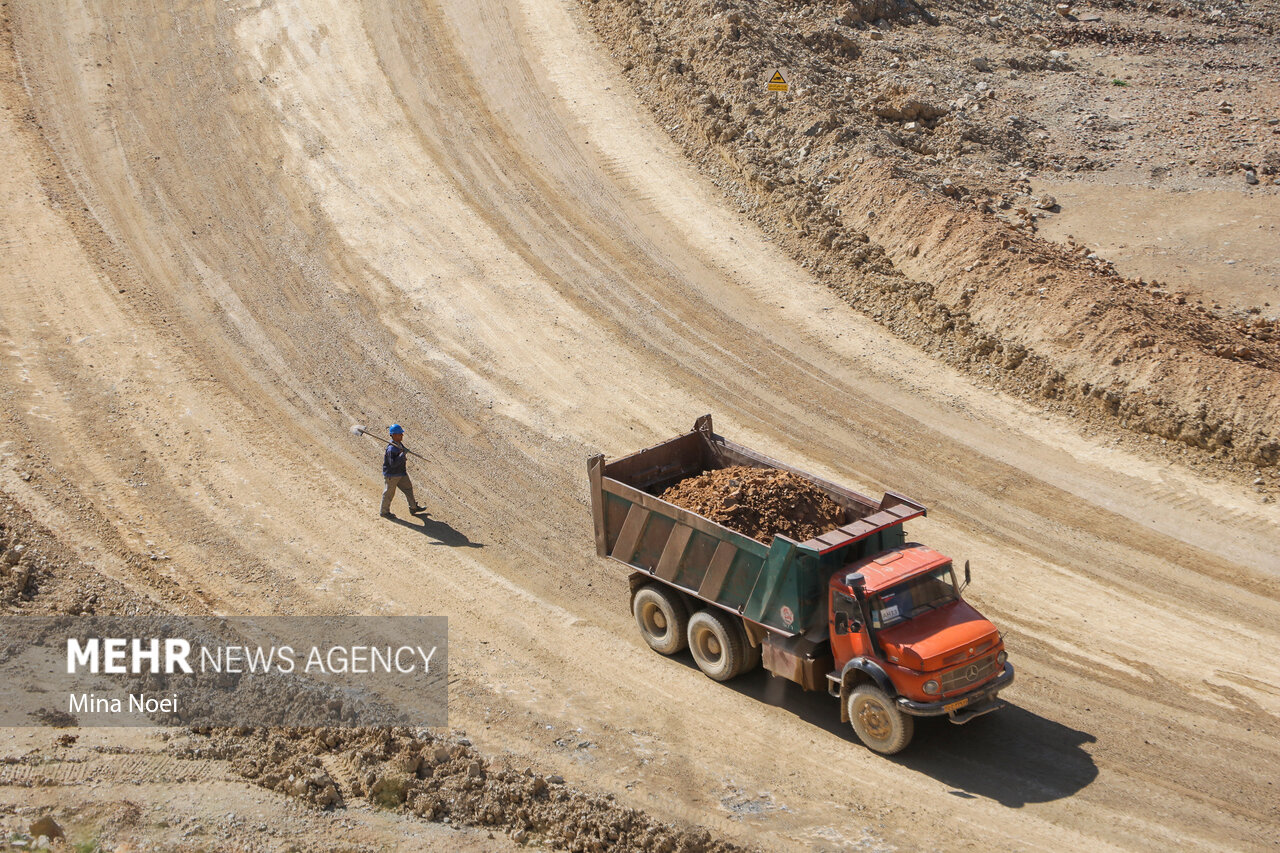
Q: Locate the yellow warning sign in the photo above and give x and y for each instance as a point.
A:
(777, 84)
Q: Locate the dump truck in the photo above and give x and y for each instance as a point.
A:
(875, 620)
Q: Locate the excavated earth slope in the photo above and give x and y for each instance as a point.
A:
(898, 170)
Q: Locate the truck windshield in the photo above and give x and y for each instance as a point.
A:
(920, 594)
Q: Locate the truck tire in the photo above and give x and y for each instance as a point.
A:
(662, 617)
(717, 643)
(877, 721)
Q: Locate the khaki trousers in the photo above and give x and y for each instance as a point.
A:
(401, 483)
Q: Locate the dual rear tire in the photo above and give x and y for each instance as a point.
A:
(662, 617)
(718, 644)
(716, 638)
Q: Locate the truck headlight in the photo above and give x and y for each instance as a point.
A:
(930, 687)
(1002, 657)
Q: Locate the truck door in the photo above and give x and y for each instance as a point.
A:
(848, 634)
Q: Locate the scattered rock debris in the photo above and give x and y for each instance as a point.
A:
(440, 779)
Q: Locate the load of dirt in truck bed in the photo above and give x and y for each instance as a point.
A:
(759, 502)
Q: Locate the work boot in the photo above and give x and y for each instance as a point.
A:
(387, 514)
(416, 510)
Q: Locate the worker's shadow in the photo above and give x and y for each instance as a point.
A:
(439, 531)
(1013, 756)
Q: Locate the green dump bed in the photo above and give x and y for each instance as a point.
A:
(781, 584)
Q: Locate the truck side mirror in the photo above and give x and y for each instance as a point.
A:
(967, 577)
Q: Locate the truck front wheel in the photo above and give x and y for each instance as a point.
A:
(877, 721)
(717, 643)
(662, 618)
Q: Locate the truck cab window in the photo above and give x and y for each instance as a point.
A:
(913, 597)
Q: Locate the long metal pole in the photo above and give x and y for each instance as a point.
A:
(359, 430)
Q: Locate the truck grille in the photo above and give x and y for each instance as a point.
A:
(968, 675)
(962, 654)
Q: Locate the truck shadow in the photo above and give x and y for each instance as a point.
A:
(1012, 756)
(440, 531)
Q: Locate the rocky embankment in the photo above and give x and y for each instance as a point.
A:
(440, 779)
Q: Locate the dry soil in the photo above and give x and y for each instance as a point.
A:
(229, 230)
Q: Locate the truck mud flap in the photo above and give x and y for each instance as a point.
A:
(799, 659)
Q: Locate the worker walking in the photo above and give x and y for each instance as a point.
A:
(395, 473)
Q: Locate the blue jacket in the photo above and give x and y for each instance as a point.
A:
(393, 461)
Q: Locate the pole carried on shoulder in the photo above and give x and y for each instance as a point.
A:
(357, 429)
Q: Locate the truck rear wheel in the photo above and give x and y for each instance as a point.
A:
(662, 617)
(877, 721)
(717, 643)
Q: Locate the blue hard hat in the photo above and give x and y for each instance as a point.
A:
(396, 429)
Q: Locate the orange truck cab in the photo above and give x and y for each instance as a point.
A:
(905, 644)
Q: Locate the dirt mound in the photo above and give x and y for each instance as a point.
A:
(442, 780)
(759, 502)
(898, 171)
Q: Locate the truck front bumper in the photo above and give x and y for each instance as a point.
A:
(963, 708)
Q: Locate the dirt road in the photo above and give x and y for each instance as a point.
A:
(230, 231)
